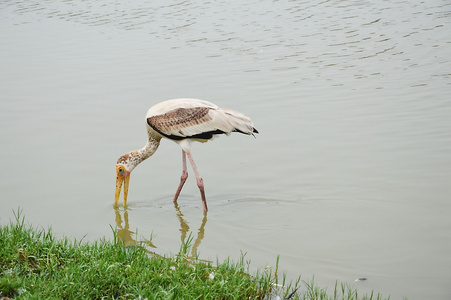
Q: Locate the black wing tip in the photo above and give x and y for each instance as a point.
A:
(206, 135)
(254, 130)
(201, 136)
(248, 133)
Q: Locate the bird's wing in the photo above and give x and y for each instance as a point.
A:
(182, 123)
(199, 122)
(169, 105)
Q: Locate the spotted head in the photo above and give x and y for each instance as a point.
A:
(127, 162)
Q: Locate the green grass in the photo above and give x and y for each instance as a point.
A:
(36, 265)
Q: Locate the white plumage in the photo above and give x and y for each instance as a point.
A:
(182, 121)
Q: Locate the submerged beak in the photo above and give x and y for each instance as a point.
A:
(122, 177)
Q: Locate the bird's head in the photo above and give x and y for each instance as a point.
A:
(123, 169)
(125, 165)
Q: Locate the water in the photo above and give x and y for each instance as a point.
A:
(349, 176)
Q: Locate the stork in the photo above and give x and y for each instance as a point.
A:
(182, 121)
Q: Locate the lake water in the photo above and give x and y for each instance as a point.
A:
(349, 176)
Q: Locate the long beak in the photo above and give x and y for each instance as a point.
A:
(119, 180)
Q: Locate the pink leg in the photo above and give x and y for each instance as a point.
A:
(200, 181)
(182, 178)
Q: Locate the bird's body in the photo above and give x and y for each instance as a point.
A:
(182, 121)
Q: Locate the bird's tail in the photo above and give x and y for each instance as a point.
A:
(233, 121)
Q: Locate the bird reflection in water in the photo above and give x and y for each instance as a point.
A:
(126, 237)
(184, 229)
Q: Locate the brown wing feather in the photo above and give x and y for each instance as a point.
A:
(175, 121)
(200, 123)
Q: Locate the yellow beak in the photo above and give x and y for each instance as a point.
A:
(119, 179)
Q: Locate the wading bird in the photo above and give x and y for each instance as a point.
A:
(182, 121)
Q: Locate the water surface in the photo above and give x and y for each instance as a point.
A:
(349, 176)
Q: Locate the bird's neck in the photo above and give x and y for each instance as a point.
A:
(134, 158)
(149, 149)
